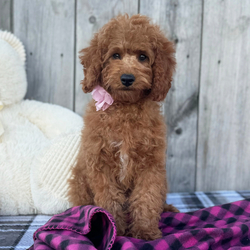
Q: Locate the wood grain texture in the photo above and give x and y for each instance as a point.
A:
(47, 30)
(224, 117)
(181, 22)
(5, 15)
(53, 31)
(91, 16)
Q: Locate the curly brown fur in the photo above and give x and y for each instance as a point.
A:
(121, 162)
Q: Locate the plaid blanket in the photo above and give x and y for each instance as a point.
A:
(16, 231)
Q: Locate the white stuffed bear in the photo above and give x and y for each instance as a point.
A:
(38, 142)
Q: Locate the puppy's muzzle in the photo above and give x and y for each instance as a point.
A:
(127, 80)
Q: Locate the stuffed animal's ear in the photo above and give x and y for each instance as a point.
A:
(15, 43)
(163, 68)
(92, 65)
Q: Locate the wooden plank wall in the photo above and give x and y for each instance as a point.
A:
(6, 15)
(224, 111)
(207, 108)
(47, 29)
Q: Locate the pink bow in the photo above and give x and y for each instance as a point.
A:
(102, 97)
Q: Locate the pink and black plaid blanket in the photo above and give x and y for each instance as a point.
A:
(88, 227)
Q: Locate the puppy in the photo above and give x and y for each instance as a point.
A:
(121, 163)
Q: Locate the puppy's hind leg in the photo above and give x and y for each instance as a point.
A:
(79, 191)
(170, 208)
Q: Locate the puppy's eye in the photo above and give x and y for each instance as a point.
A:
(116, 56)
(142, 57)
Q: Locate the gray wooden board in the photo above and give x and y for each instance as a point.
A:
(47, 30)
(181, 22)
(54, 31)
(224, 117)
(91, 16)
(5, 14)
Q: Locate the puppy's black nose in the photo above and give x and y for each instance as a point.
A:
(127, 80)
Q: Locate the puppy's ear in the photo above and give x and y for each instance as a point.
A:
(163, 68)
(92, 65)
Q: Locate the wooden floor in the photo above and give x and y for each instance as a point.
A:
(208, 107)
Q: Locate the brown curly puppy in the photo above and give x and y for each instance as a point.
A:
(121, 162)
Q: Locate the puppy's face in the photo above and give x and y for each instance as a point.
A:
(131, 59)
(127, 70)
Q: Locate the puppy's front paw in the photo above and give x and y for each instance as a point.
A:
(121, 229)
(145, 234)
